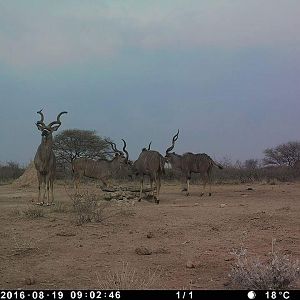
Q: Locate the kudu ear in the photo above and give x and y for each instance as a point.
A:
(39, 126)
(54, 128)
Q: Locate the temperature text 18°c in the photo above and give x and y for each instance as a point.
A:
(278, 295)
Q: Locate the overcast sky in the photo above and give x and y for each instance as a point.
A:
(226, 73)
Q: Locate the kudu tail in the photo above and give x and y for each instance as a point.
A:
(218, 165)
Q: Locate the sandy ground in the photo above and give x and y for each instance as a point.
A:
(52, 252)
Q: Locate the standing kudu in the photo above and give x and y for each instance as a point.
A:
(150, 163)
(189, 163)
(44, 159)
(101, 169)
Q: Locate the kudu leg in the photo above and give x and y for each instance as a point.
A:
(183, 184)
(151, 187)
(75, 185)
(209, 182)
(47, 187)
(141, 187)
(204, 185)
(45, 190)
(105, 182)
(209, 194)
(39, 195)
(205, 181)
(48, 192)
(43, 187)
(155, 198)
(188, 187)
(78, 183)
(52, 195)
(158, 185)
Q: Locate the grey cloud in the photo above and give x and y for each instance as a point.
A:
(36, 33)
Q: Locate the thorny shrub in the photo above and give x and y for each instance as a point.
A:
(127, 278)
(279, 271)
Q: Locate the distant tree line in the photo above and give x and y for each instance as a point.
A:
(10, 170)
(280, 163)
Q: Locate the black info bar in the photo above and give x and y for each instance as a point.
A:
(147, 294)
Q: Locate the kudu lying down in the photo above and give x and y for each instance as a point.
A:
(189, 163)
(44, 159)
(102, 169)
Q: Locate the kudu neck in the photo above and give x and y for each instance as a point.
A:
(47, 140)
(117, 160)
(175, 159)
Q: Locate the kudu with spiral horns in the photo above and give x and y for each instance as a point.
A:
(44, 159)
(189, 163)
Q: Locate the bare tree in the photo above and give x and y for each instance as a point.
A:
(150, 163)
(283, 155)
(189, 163)
(74, 143)
(44, 159)
(101, 169)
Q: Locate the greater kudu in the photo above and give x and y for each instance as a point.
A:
(189, 163)
(44, 159)
(101, 169)
(150, 163)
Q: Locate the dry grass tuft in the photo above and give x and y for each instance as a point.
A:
(273, 181)
(89, 206)
(277, 272)
(59, 207)
(128, 278)
(22, 247)
(84, 207)
(15, 212)
(33, 212)
(30, 212)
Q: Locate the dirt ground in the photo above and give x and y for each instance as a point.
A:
(52, 252)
